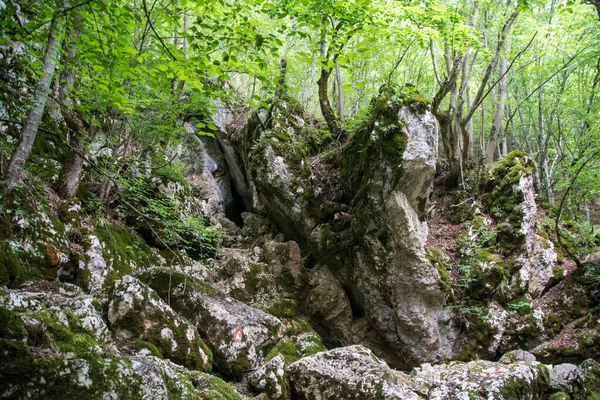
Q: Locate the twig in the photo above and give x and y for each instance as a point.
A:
(155, 33)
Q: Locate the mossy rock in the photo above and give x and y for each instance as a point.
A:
(286, 348)
(461, 208)
(123, 250)
(590, 379)
(380, 135)
(143, 347)
(504, 198)
(33, 242)
(438, 261)
(26, 373)
(137, 312)
(11, 325)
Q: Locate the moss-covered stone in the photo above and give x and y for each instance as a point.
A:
(504, 198)
(141, 346)
(285, 348)
(136, 312)
(11, 325)
(33, 242)
(380, 134)
(123, 250)
(437, 260)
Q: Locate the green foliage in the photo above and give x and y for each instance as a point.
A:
(162, 218)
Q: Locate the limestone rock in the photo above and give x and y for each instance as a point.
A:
(270, 378)
(268, 280)
(563, 377)
(238, 335)
(512, 203)
(390, 278)
(589, 378)
(483, 380)
(328, 304)
(348, 373)
(279, 168)
(516, 355)
(256, 230)
(136, 312)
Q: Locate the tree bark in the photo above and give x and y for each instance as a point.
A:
(338, 77)
(497, 125)
(16, 169)
(68, 182)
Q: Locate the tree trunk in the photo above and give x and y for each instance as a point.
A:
(68, 182)
(331, 119)
(497, 125)
(16, 169)
(338, 77)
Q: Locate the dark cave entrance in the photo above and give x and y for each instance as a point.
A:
(234, 210)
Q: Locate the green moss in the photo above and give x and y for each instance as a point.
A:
(163, 280)
(139, 345)
(11, 271)
(122, 249)
(24, 370)
(147, 323)
(553, 324)
(478, 336)
(389, 141)
(214, 388)
(561, 396)
(285, 348)
(241, 365)
(558, 273)
(67, 339)
(11, 325)
(516, 389)
(437, 260)
(504, 199)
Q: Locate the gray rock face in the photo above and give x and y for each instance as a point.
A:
(563, 377)
(390, 277)
(279, 168)
(262, 279)
(515, 356)
(483, 380)
(328, 303)
(270, 379)
(136, 312)
(239, 335)
(348, 373)
(207, 171)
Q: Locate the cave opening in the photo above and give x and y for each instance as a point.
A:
(236, 207)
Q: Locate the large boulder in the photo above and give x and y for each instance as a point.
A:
(239, 335)
(483, 380)
(136, 312)
(348, 373)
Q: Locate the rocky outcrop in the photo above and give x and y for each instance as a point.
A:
(348, 373)
(373, 256)
(390, 166)
(239, 335)
(511, 200)
(136, 312)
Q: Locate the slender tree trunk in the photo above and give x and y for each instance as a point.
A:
(68, 182)
(16, 169)
(333, 123)
(338, 77)
(497, 124)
